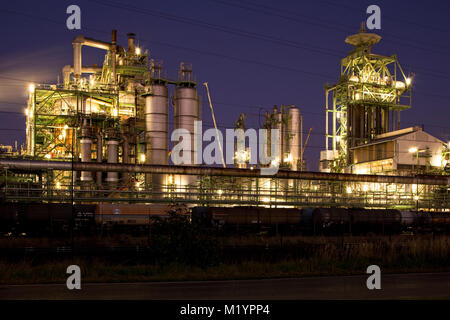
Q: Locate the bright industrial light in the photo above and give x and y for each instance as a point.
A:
(170, 179)
(338, 138)
(138, 51)
(416, 198)
(288, 158)
(413, 150)
(115, 112)
(266, 200)
(408, 81)
(58, 185)
(357, 96)
(338, 115)
(60, 137)
(31, 87)
(92, 82)
(137, 184)
(349, 190)
(26, 111)
(219, 192)
(47, 156)
(275, 162)
(365, 188)
(142, 157)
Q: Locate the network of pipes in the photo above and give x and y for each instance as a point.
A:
(102, 135)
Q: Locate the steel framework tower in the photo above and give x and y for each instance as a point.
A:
(366, 101)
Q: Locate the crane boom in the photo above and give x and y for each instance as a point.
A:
(215, 125)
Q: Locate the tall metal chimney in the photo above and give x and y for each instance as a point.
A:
(131, 46)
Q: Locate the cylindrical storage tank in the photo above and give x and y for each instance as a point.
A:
(156, 131)
(187, 111)
(294, 135)
(86, 156)
(113, 145)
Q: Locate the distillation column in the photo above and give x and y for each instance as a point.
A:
(294, 132)
(156, 131)
(187, 111)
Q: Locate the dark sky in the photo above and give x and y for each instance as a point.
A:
(254, 54)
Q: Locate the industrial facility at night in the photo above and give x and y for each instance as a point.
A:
(276, 151)
(100, 139)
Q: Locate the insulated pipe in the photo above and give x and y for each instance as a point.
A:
(37, 165)
(67, 70)
(99, 157)
(125, 156)
(80, 41)
(77, 59)
(113, 55)
(86, 145)
(113, 144)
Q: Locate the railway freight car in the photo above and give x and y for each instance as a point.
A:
(248, 218)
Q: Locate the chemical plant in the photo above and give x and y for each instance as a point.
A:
(102, 138)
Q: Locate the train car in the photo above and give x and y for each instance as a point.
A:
(248, 218)
(331, 220)
(135, 218)
(375, 220)
(434, 221)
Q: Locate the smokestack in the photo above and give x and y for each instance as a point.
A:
(113, 54)
(131, 37)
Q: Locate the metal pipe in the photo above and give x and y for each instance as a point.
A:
(37, 165)
(125, 156)
(99, 157)
(113, 55)
(112, 175)
(80, 41)
(67, 70)
(85, 146)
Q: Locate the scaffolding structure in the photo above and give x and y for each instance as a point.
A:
(366, 101)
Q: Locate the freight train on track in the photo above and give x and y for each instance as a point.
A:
(37, 219)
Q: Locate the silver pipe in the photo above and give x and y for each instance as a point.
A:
(99, 157)
(67, 70)
(113, 145)
(113, 55)
(125, 156)
(80, 41)
(85, 146)
(37, 165)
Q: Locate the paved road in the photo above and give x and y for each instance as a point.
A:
(394, 286)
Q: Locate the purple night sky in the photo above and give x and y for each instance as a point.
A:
(253, 54)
